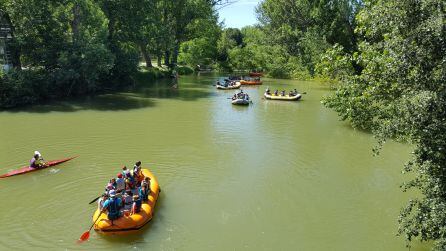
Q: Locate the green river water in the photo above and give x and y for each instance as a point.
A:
(271, 176)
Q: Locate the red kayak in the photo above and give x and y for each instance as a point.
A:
(27, 169)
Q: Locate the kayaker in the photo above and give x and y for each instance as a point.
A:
(37, 160)
(113, 206)
(120, 183)
(136, 206)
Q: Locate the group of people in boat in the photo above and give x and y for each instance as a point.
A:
(125, 193)
(240, 95)
(282, 93)
(227, 83)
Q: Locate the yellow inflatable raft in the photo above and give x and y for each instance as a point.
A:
(130, 223)
(286, 97)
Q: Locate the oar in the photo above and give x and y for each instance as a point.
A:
(86, 234)
(95, 199)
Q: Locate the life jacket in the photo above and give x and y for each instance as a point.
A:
(113, 208)
(33, 162)
(144, 195)
(136, 206)
(130, 184)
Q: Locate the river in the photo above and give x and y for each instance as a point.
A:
(271, 176)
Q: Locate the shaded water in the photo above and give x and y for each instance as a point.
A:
(271, 176)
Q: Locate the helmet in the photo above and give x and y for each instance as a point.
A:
(112, 193)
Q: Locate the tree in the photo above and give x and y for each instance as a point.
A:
(401, 93)
(305, 29)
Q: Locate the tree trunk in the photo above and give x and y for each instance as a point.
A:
(146, 55)
(159, 57)
(76, 21)
(175, 54)
(167, 57)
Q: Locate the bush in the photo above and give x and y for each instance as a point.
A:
(22, 88)
(184, 70)
(148, 74)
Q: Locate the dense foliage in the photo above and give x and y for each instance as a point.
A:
(72, 47)
(401, 93)
(291, 38)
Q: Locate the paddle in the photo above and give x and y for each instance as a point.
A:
(95, 199)
(86, 234)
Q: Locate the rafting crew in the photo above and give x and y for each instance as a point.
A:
(37, 160)
(125, 193)
(240, 95)
(282, 93)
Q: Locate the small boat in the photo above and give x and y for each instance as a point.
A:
(286, 97)
(27, 169)
(229, 87)
(251, 82)
(255, 74)
(241, 99)
(130, 223)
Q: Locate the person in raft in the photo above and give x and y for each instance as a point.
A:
(137, 170)
(136, 207)
(120, 183)
(113, 206)
(125, 171)
(37, 160)
(127, 200)
(144, 191)
(102, 200)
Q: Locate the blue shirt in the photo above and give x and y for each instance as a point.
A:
(113, 205)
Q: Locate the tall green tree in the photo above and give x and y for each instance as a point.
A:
(307, 28)
(401, 93)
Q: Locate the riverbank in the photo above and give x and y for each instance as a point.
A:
(36, 86)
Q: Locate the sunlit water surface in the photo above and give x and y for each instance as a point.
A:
(271, 176)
